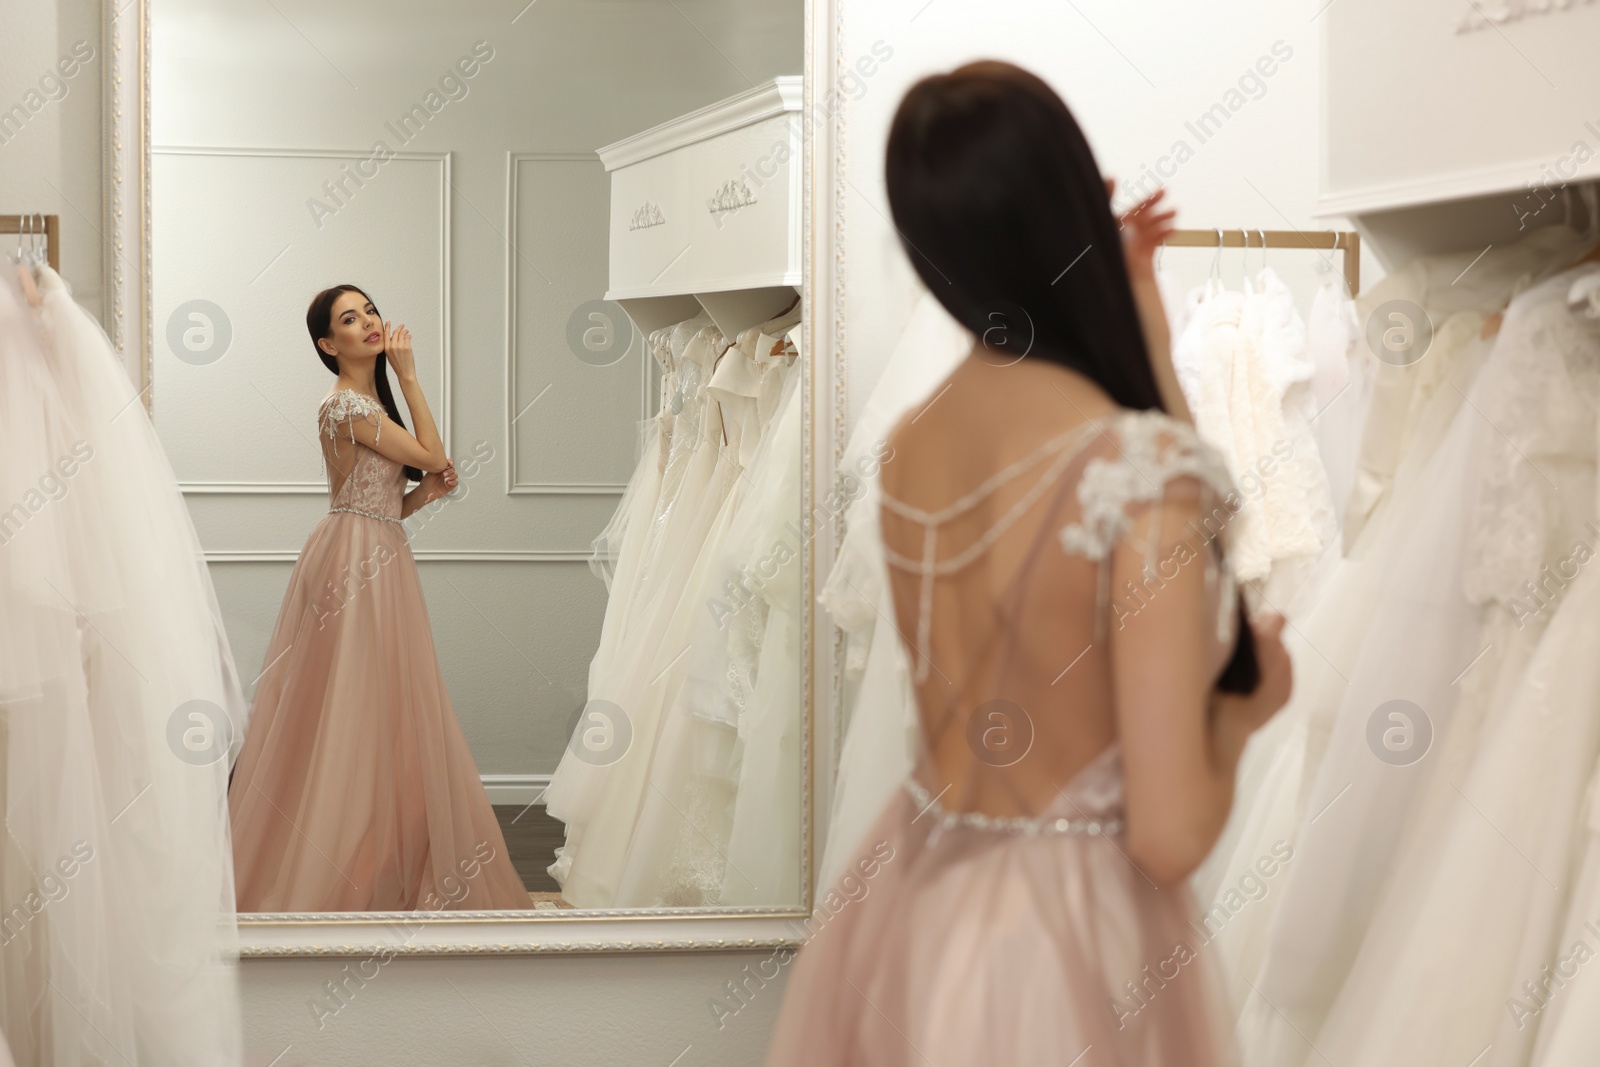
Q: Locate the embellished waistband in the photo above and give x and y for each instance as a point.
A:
(367, 514)
(1016, 824)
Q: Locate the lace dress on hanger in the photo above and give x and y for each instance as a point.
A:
(1444, 286)
(1383, 878)
(1284, 459)
(355, 789)
(1018, 932)
(1413, 469)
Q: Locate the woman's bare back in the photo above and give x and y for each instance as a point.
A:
(1023, 478)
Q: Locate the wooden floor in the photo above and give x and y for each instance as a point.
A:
(532, 837)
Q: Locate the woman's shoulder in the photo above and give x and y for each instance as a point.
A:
(1136, 459)
(342, 402)
(343, 405)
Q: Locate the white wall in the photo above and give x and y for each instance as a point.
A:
(585, 1011)
(50, 148)
(1136, 76)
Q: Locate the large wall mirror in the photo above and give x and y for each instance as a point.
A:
(567, 676)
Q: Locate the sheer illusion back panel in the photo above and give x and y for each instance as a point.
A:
(360, 479)
(1012, 656)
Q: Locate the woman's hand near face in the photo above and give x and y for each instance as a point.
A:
(1143, 230)
(397, 347)
(1144, 227)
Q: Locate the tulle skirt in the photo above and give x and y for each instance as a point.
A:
(355, 789)
(959, 946)
(117, 941)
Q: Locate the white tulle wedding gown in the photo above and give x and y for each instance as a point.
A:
(1354, 941)
(119, 701)
(876, 752)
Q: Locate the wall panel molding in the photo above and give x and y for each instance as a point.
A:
(514, 486)
(442, 414)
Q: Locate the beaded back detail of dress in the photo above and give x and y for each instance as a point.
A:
(360, 480)
(1009, 616)
(991, 914)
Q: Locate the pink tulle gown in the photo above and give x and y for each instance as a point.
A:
(355, 790)
(997, 919)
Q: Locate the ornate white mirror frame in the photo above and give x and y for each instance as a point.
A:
(126, 268)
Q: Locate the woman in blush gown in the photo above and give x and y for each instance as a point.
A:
(1083, 679)
(355, 790)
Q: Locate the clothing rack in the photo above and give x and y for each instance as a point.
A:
(1347, 241)
(30, 224)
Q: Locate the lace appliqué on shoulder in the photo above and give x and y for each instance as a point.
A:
(1154, 449)
(346, 405)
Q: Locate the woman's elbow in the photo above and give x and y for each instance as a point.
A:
(1167, 858)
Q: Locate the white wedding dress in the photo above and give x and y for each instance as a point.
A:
(598, 782)
(1437, 580)
(679, 852)
(876, 751)
(1480, 884)
(1341, 386)
(119, 699)
(1401, 465)
(1245, 369)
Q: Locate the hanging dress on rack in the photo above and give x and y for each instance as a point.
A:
(1284, 459)
(598, 796)
(678, 851)
(1506, 495)
(1397, 489)
(118, 693)
(1521, 750)
(1341, 386)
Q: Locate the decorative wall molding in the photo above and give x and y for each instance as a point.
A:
(515, 788)
(734, 194)
(443, 408)
(647, 215)
(125, 200)
(514, 486)
(753, 105)
(1513, 180)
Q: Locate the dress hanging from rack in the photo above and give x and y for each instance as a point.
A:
(1243, 362)
(1428, 569)
(654, 824)
(118, 693)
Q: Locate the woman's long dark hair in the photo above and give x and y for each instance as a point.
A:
(319, 323)
(1005, 216)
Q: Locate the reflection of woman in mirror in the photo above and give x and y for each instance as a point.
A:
(355, 789)
(1083, 672)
